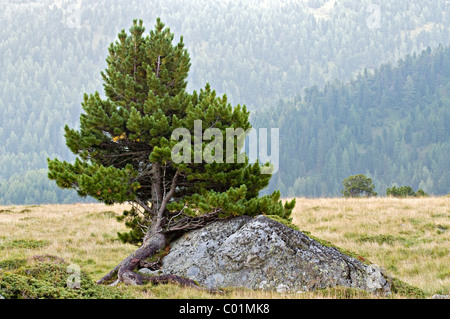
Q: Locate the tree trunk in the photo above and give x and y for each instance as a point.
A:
(156, 240)
(126, 272)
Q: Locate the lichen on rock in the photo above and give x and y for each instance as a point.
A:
(262, 253)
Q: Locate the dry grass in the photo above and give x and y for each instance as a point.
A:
(408, 237)
(84, 234)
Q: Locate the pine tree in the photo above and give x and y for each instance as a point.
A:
(357, 186)
(124, 149)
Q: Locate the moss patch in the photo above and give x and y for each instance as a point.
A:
(12, 264)
(49, 277)
(404, 289)
(285, 222)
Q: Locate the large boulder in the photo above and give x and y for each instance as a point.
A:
(261, 253)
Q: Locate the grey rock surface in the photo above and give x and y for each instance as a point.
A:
(260, 253)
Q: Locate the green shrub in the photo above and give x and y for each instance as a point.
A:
(132, 220)
(404, 191)
(421, 193)
(284, 221)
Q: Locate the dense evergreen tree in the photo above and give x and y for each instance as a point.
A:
(124, 148)
(358, 186)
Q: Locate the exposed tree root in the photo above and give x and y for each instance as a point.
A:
(128, 276)
(125, 271)
(153, 243)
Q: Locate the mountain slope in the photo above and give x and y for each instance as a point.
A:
(392, 125)
(257, 52)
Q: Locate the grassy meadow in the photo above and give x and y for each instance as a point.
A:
(409, 238)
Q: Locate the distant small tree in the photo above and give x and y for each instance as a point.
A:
(403, 191)
(358, 186)
(421, 193)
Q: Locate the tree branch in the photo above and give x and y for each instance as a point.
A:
(190, 223)
(156, 186)
(144, 206)
(157, 224)
(169, 194)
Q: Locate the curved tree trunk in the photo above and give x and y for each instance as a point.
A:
(125, 270)
(148, 249)
(156, 240)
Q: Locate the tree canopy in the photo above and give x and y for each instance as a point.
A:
(358, 186)
(124, 144)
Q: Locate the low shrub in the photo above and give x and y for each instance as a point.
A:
(49, 277)
(404, 191)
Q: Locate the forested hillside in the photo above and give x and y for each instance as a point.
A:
(257, 52)
(392, 125)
